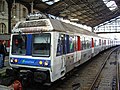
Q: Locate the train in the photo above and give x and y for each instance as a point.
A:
(45, 50)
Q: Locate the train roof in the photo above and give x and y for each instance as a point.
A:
(42, 25)
(67, 27)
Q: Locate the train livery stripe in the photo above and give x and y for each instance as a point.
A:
(92, 42)
(31, 62)
(79, 43)
(29, 45)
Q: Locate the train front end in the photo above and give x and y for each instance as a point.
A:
(30, 54)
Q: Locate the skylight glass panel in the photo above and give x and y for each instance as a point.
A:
(110, 4)
(44, 0)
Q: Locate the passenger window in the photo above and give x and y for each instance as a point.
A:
(71, 43)
(95, 42)
(61, 45)
(83, 43)
(100, 42)
(104, 42)
(87, 44)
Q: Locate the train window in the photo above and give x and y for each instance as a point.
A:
(41, 44)
(104, 42)
(88, 43)
(83, 43)
(100, 42)
(19, 45)
(108, 42)
(67, 44)
(71, 43)
(96, 42)
(61, 45)
(76, 43)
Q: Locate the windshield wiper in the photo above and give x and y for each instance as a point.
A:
(21, 37)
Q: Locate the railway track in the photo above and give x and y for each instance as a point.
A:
(107, 77)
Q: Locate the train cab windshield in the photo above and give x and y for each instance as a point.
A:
(39, 45)
(19, 44)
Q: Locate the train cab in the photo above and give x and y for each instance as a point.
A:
(32, 51)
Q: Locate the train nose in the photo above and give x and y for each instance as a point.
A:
(40, 76)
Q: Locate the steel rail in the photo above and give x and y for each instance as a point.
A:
(117, 73)
(102, 67)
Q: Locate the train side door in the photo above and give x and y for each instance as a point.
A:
(78, 48)
(60, 56)
(63, 49)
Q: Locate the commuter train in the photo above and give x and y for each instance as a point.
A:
(46, 49)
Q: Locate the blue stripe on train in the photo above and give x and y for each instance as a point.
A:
(29, 44)
(30, 62)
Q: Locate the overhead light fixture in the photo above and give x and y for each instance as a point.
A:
(111, 4)
(50, 2)
(75, 20)
(56, 0)
(45, 0)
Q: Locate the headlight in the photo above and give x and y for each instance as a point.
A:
(15, 60)
(11, 60)
(40, 62)
(46, 63)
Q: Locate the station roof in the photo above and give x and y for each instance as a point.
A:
(86, 12)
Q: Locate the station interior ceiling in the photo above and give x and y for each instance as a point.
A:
(86, 12)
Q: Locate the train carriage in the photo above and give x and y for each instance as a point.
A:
(47, 49)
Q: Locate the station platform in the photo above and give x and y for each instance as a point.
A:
(2, 72)
(6, 65)
(2, 87)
